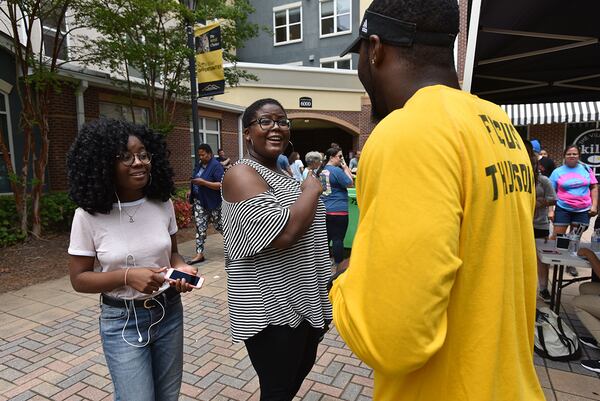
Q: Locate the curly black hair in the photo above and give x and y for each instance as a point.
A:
(91, 163)
(251, 110)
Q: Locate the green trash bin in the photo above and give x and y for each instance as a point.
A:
(352, 218)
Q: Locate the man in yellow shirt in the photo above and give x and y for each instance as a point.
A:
(439, 295)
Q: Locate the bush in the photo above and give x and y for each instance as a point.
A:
(57, 211)
(183, 209)
(9, 222)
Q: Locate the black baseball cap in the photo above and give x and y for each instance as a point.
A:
(396, 32)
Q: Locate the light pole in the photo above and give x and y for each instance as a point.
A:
(189, 26)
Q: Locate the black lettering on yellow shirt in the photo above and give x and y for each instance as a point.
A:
(521, 177)
(504, 132)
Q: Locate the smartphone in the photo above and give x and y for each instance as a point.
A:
(562, 242)
(195, 281)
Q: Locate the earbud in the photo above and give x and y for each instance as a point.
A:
(118, 202)
(140, 339)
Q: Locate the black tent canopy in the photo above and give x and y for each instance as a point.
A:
(533, 51)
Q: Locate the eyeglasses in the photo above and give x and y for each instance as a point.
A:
(129, 158)
(267, 123)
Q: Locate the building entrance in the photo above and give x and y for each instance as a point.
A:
(318, 136)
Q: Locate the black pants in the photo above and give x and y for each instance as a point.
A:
(282, 357)
(336, 231)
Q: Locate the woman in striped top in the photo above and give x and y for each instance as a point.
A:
(276, 256)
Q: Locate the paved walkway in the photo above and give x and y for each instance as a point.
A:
(50, 350)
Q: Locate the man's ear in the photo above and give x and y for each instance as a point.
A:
(376, 50)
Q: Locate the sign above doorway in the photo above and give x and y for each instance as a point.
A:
(306, 102)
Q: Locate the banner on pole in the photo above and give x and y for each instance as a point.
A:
(209, 60)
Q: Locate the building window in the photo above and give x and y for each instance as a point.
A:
(49, 28)
(123, 112)
(338, 63)
(287, 23)
(5, 131)
(210, 133)
(335, 17)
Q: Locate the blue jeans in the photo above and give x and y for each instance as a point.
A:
(152, 372)
(336, 231)
(563, 217)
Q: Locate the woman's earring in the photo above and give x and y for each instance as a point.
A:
(149, 179)
(289, 143)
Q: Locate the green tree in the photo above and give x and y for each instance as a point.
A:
(37, 62)
(145, 42)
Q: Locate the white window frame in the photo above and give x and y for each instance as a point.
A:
(335, 61)
(203, 131)
(66, 42)
(335, 16)
(11, 147)
(287, 8)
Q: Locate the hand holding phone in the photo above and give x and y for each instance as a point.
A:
(173, 275)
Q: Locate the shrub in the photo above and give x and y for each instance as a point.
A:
(183, 209)
(57, 211)
(9, 222)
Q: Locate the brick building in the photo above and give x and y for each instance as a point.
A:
(88, 95)
(320, 91)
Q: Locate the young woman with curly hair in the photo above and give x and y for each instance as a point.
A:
(119, 176)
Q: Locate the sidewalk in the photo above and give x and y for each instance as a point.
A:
(50, 349)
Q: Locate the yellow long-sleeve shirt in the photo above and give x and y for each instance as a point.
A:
(439, 297)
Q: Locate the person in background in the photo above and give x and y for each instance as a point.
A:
(206, 197)
(336, 178)
(224, 160)
(313, 163)
(275, 256)
(536, 146)
(545, 198)
(545, 163)
(353, 165)
(123, 239)
(577, 196)
(439, 295)
(587, 309)
(296, 166)
(284, 165)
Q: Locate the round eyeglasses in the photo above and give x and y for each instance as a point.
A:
(267, 123)
(128, 158)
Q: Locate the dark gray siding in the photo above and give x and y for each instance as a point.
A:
(262, 50)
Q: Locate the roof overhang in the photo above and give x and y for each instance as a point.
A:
(533, 51)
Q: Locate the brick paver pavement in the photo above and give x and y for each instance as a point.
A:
(50, 350)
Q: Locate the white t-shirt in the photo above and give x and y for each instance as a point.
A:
(296, 167)
(112, 237)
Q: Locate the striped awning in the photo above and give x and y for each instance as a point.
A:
(548, 113)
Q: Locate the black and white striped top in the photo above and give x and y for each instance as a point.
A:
(269, 286)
